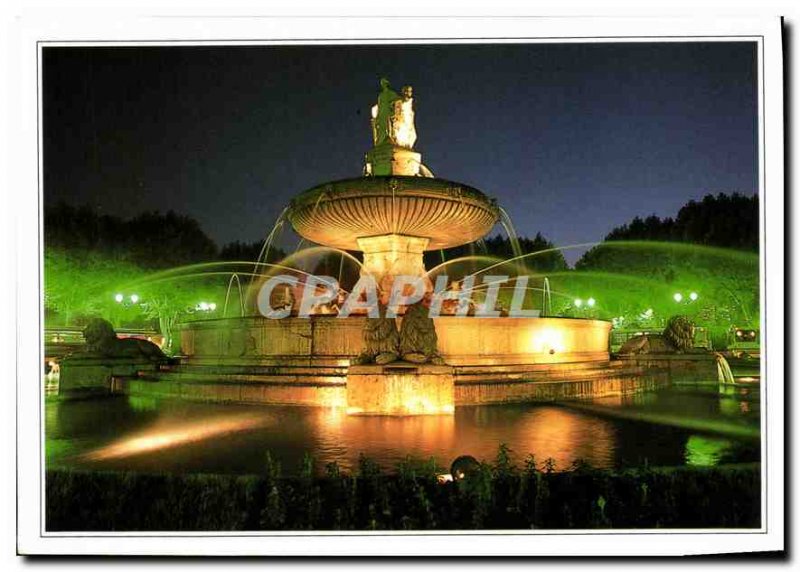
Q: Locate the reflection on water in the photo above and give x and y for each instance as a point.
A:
(156, 439)
(705, 451)
(150, 435)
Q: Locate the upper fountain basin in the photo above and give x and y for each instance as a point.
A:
(338, 213)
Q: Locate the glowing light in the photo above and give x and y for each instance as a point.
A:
(578, 302)
(590, 302)
(202, 306)
(693, 296)
(212, 306)
(134, 298)
(156, 440)
(547, 340)
(119, 298)
(677, 296)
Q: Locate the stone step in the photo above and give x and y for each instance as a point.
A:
(253, 369)
(538, 367)
(553, 372)
(248, 378)
(328, 374)
(547, 380)
(547, 368)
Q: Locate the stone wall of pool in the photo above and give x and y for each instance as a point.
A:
(327, 387)
(326, 340)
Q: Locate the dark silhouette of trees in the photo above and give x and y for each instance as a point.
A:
(727, 221)
(551, 261)
(249, 252)
(501, 247)
(151, 240)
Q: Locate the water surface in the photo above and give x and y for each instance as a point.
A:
(700, 426)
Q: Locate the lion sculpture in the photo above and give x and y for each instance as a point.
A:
(418, 340)
(677, 337)
(101, 339)
(381, 340)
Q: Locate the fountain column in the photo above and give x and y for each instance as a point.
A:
(391, 255)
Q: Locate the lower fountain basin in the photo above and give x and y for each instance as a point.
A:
(307, 362)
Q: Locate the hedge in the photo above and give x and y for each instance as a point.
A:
(497, 496)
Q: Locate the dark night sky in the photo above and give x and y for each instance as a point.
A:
(572, 139)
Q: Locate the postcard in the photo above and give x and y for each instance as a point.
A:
(390, 286)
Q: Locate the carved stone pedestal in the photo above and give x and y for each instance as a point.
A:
(400, 389)
(391, 255)
(388, 159)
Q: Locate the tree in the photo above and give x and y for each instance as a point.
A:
(727, 221)
(726, 280)
(174, 297)
(80, 283)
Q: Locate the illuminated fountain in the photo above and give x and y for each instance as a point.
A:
(392, 214)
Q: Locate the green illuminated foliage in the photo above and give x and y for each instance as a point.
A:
(648, 274)
(79, 284)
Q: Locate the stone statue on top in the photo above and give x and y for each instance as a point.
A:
(393, 117)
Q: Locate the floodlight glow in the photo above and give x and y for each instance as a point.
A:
(677, 296)
(578, 302)
(119, 298)
(590, 302)
(155, 440)
(693, 296)
(134, 298)
(212, 306)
